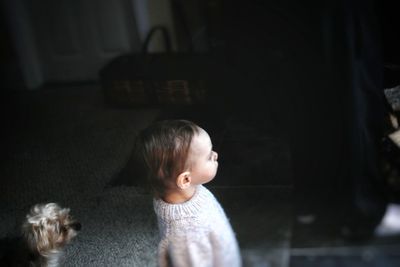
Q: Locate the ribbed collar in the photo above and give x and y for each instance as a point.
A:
(191, 208)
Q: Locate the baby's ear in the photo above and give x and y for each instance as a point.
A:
(184, 180)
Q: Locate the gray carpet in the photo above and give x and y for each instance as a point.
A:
(63, 145)
(63, 149)
(118, 230)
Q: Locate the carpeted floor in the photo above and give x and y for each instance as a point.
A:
(61, 144)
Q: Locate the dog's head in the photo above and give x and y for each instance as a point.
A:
(48, 228)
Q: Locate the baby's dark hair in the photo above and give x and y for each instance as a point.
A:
(163, 149)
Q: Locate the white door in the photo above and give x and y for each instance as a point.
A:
(73, 39)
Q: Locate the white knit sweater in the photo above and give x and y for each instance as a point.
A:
(196, 233)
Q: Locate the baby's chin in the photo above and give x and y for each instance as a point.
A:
(209, 180)
(215, 175)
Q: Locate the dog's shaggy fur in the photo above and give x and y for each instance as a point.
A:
(45, 232)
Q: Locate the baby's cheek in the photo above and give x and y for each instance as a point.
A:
(215, 167)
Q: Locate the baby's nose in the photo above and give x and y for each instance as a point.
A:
(215, 156)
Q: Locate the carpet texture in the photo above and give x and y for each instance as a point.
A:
(61, 149)
(65, 146)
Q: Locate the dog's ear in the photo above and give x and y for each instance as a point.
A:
(30, 234)
(37, 237)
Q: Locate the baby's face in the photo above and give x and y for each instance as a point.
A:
(203, 159)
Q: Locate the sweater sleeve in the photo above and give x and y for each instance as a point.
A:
(190, 251)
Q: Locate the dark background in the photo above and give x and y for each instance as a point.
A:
(309, 73)
(312, 72)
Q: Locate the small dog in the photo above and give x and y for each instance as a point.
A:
(48, 228)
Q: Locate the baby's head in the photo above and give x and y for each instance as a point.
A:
(177, 154)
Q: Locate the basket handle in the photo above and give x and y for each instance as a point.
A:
(165, 35)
